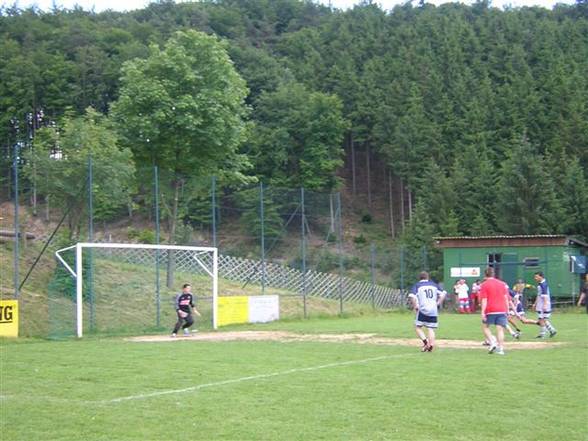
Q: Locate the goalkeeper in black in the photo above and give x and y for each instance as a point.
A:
(184, 308)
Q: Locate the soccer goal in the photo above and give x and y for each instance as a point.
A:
(130, 288)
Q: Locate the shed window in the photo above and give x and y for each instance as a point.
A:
(531, 262)
(494, 260)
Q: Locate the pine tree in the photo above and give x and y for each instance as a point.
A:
(526, 202)
(572, 192)
(474, 180)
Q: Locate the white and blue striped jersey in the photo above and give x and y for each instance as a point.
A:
(543, 297)
(427, 294)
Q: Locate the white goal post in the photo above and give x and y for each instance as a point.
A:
(76, 273)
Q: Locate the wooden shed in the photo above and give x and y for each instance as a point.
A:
(561, 258)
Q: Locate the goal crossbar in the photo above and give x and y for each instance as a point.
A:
(77, 273)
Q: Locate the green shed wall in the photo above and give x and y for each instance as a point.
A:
(554, 262)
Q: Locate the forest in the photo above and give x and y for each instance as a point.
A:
(479, 115)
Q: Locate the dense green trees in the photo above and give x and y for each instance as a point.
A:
(58, 165)
(526, 201)
(297, 141)
(483, 113)
(182, 109)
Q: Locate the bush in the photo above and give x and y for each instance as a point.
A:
(360, 240)
(327, 262)
(366, 218)
(141, 236)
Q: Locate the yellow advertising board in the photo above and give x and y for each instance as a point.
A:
(233, 309)
(8, 318)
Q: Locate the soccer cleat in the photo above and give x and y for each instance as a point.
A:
(552, 333)
(186, 332)
(485, 343)
(173, 335)
(540, 336)
(492, 349)
(500, 352)
(430, 348)
(516, 335)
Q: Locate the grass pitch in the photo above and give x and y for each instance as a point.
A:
(114, 389)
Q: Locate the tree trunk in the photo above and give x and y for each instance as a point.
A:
(402, 214)
(34, 197)
(46, 208)
(332, 213)
(409, 205)
(391, 204)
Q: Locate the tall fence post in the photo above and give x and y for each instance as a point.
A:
(303, 250)
(90, 251)
(402, 268)
(353, 180)
(157, 240)
(16, 222)
(214, 239)
(213, 196)
(261, 214)
(90, 200)
(340, 252)
(373, 273)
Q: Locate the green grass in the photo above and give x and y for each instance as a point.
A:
(63, 390)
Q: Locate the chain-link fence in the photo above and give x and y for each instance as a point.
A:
(309, 247)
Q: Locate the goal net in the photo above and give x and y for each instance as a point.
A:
(123, 288)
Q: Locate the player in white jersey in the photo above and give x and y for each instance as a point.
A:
(426, 296)
(542, 306)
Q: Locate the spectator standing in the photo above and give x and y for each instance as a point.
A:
(474, 300)
(462, 290)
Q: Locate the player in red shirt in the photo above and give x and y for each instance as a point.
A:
(494, 300)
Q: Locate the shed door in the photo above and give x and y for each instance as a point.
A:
(509, 268)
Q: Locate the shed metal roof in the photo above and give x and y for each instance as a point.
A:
(508, 240)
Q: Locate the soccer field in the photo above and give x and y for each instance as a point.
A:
(189, 389)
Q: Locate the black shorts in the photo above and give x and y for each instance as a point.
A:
(183, 314)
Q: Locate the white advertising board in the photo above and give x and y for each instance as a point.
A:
(465, 272)
(263, 309)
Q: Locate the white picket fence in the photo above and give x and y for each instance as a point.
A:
(314, 283)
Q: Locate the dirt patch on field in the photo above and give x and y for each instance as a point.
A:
(284, 336)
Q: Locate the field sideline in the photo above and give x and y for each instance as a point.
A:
(115, 389)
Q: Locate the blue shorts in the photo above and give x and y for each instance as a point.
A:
(495, 319)
(428, 321)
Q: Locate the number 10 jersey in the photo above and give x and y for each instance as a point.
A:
(427, 294)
